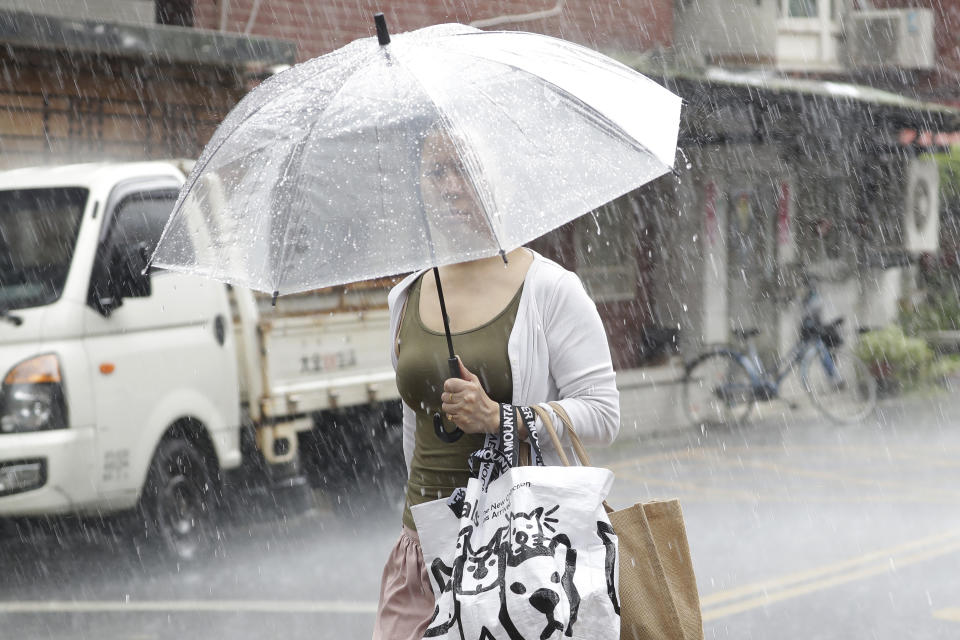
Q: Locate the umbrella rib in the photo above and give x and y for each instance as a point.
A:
(286, 228)
(446, 122)
(609, 124)
(508, 116)
(376, 129)
(573, 98)
(197, 170)
(313, 125)
(473, 183)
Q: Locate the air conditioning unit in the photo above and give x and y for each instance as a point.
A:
(732, 32)
(920, 221)
(900, 38)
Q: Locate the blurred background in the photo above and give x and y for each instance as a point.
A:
(184, 459)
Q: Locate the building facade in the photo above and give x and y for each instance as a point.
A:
(103, 80)
(789, 157)
(818, 105)
(319, 26)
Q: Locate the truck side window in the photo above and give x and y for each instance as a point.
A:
(139, 222)
(134, 232)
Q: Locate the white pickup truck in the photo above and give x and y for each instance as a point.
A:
(156, 393)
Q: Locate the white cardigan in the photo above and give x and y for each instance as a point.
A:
(558, 351)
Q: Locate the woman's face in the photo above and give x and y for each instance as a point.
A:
(445, 187)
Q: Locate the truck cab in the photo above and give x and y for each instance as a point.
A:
(119, 388)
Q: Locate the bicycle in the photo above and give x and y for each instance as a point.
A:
(723, 385)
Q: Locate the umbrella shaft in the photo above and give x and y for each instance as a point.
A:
(446, 320)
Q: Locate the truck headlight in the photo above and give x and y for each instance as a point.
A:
(31, 398)
(17, 476)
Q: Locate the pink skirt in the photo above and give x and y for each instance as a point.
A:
(406, 598)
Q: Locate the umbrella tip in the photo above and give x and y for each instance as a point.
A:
(503, 256)
(383, 36)
(273, 303)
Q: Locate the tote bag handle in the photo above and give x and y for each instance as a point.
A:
(571, 433)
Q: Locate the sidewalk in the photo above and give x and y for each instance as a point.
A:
(651, 401)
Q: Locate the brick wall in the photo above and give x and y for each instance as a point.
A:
(58, 108)
(320, 26)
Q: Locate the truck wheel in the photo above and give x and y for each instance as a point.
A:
(179, 502)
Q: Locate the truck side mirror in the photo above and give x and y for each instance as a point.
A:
(128, 271)
(120, 275)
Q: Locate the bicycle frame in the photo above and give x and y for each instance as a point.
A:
(737, 378)
(766, 386)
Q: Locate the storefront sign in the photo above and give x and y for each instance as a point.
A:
(929, 138)
(783, 215)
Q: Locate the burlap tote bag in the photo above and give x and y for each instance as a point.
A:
(658, 590)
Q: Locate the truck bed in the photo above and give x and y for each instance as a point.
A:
(320, 350)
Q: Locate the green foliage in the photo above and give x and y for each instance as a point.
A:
(939, 306)
(944, 367)
(898, 361)
(949, 169)
(941, 313)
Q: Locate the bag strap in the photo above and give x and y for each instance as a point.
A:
(509, 436)
(534, 455)
(525, 456)
(574, 438)
(552, 433)
(578, 447)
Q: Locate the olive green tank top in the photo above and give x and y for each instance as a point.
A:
(440, 467)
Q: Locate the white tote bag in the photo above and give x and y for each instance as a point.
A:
(523, 553)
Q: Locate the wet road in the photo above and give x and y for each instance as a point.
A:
(798, 529)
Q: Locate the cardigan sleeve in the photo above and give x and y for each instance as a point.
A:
(395, 303)
(580, 364)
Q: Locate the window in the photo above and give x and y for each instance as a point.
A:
(825, 240)
(38, 231)
(606, 260)
(135, 231)
(809, 9)
(802, 9)
(178, 13)
(140, 220)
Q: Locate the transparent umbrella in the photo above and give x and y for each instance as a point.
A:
(441, 145)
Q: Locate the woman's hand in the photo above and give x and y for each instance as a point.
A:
(467, 405)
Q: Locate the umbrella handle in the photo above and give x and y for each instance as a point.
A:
(443, 434)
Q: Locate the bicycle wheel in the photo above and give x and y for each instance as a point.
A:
(717, 390)
(848, 396)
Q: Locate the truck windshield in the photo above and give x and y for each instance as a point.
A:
(38, 231)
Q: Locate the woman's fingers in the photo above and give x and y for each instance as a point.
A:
(455, 402)
(456, 390)
(466, 374)
(456, 385)
(466, 403)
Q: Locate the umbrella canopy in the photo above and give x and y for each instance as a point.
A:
(447, 144)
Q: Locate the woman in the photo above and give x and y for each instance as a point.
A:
(526, 333)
